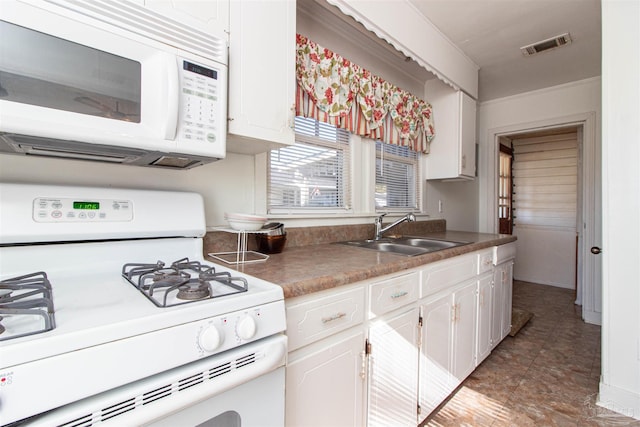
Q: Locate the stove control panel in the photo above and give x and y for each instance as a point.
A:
(234, 329)
(52, 209)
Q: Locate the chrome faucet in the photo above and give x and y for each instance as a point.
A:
(379, 229)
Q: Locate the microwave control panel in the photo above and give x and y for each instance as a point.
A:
(49, 209)
(200, 103)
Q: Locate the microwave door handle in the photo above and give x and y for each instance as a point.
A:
(172, 86)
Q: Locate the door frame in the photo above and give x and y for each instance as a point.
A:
(589, 286)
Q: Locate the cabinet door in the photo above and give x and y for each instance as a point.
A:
(506, 276)
(393, 371)
(453, 152)
(261, 74)
(326, 387)
(497, 306)
(467, 135)
(435, 354)
(464, 331)
(485, 285)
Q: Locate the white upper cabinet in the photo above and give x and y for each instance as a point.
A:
(262, 78)
(210, 15)
(453, 150)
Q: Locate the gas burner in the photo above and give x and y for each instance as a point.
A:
(184, 281)
(165, 278)
(194, 290)
(26, 306)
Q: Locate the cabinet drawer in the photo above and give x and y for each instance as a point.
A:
(485, 261)
(313, 320)
(447, 273)
(393, 293)
(503, 253)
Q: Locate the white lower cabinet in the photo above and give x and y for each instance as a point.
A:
(393, 367)
(502, 301)
(465, 321)
(326, 368)
(448, 353)
(325, 385)
(435, 354)
(507, 279)
(387, 352)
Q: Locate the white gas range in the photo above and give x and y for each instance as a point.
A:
(106, 299)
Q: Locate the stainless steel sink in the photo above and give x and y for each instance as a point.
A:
(433, 244)
(409, 246)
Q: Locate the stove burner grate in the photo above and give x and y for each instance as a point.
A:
(28, 295)
(187, 281)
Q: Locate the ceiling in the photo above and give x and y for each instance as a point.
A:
(491, 32)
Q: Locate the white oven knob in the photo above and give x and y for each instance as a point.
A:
(246, 328)
(210, 338)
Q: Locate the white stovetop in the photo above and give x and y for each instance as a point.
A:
(94, 304)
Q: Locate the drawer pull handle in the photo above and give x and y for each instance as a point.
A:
(399, 294)
(334, 317)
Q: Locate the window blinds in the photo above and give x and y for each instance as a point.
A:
(397, 177)
(545, 176)
(314, 172)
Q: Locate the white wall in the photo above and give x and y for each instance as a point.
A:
(459, 203)
(620, 380)
(546, 256)
(226, 185)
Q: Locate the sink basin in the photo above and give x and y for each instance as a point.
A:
(409, 246)
(423, 242)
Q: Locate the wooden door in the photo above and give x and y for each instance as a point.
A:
(505, 185)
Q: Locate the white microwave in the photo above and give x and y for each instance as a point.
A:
(110, 81)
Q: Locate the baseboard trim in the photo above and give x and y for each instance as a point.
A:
(592, 317)
(621, 401)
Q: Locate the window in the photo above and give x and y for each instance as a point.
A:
(314, 172)
(397, 177)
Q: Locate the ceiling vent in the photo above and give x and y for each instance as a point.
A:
(547, 44)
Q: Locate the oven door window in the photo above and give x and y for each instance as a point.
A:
(47, 71)
(226, 419)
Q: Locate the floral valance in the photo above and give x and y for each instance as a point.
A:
(334, 90)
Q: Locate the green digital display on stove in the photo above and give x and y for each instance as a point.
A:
(86, 205)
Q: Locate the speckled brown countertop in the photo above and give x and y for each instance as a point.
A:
(305, 269)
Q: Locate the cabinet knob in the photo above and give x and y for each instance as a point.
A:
(596, 250)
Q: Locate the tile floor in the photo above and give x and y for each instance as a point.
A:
(547, 375)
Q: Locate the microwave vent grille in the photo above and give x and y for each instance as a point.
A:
(144, 22)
